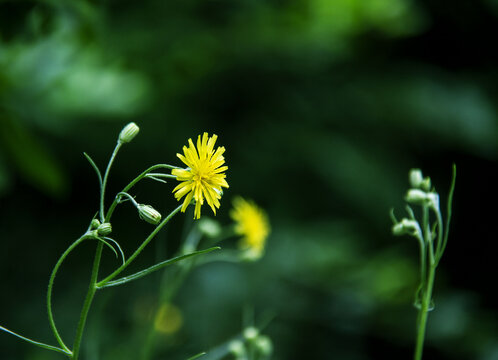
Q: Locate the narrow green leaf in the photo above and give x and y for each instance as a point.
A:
(449, 210)
(119, 247)
(393, 217)
(95, 167)
(42, 345)
(153, 268)
(156, 179)
(108, 245)
(197, 356)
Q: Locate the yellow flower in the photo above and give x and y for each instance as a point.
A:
(204, 177)
(252, 223)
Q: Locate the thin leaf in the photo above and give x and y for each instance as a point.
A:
(153, 268)
(197, 356)
(94, 167)
(448, 209)
(45, 346)
(108, 245)
(410, 212)
(393, 217)
(119, 247)
(156, 179)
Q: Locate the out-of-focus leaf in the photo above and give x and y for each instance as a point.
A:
(33, 161)
(62, 77)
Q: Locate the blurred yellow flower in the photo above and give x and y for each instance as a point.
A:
(204, 176)
(168, 319)
(252, 223)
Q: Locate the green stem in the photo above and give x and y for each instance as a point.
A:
(424, 312)
(140, 248)
(104, 182)
(92, 288)
(133, 183)
(49, 292)
(169, 287)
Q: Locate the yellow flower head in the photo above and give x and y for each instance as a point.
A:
(204, 177)
(252, 223)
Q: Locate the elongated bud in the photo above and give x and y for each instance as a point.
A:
(128, 133)
(104, 229)
(149, 214)
(416, 178)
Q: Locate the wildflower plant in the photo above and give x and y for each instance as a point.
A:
(201, 181)
(250, 224)
(432, 237)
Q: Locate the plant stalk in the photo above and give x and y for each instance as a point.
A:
(92, 288)
(423, 313)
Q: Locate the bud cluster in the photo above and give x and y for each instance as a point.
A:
(251, 340)
(421, 193)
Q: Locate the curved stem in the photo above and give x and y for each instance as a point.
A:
(133, 183)
(140, 248)
(121, 193)
(92, 288)
(49, 292)
(440, 231)
(104, 182)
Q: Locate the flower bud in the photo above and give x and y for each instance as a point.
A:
(250, 255)
(236, 347)
(209, 227)
(104, 229)
(416, 178)
(433, 200)
(426, 184)
(250, 333)
(264, 345)
(94, 224)
(416, 196)
(128, 133)
(406, 226)
(149, 214)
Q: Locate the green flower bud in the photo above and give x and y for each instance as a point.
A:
(104, 229)
(236, 347)
(264, 345)
(433, 200)
(209, 227)
(416, 178)
(149, 214)
(128, 133)
(426, 184)
(250, 255)
(416, 196)
(251, 333)
(94, 224)
(406, 226)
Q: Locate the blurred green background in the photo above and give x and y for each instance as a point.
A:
(323, 107)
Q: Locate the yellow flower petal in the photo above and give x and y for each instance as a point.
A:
(204, 176)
